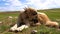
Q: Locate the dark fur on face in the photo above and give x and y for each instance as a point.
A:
(34, 13)
(35, 20)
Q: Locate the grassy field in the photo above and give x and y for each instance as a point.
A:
(53, 14)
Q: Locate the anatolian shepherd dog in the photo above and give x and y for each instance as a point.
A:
(30, 17)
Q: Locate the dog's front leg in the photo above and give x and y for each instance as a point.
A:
(14, 27)
(22, 27)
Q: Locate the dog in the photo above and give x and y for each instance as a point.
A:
(30, 17)
(27, 18)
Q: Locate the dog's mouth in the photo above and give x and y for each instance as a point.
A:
(35, 20)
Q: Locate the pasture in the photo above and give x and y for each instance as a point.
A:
(53, 14)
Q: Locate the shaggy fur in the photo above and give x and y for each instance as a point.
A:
(30, 17)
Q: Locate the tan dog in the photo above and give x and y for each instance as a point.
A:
(30, 17)
(27, 18)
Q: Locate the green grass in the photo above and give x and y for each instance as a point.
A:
(53, 14)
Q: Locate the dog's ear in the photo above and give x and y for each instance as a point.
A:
(25, 8)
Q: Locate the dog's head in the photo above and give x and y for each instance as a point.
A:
(32, 14)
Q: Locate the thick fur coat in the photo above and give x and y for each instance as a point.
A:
(30, 17)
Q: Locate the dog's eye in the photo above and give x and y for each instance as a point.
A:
(34, 13)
